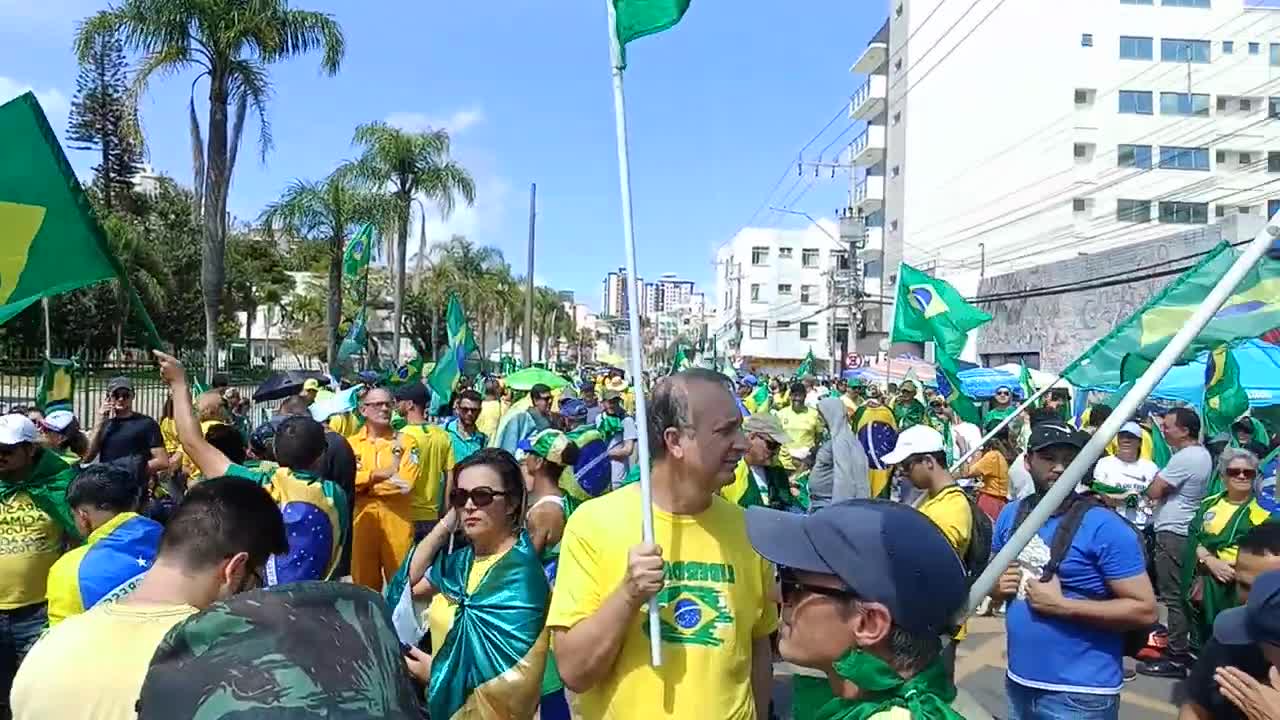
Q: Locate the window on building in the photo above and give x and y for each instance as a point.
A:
(1135, 2)
(759, 255)
(1086, 40)
(784, 288)
(898, 11)
(1078, 204)
(1183, 158)
(755, 292)
(872, 269)
(1080, 150)
(808, 330)
(893, 226)
(1133, 210)
(1273, 108)
(897, 65)
(1186, 3)
(809, 258)
(1273, 162)
(1246, 105)
(782, 325)
(1184, 213)
(1220, 156)
(1254, 48)
(758, 329)
(807, 296)
(1222, 104)
(1220, 211)
(1138, 156)
(1228, 47)
(1082, 97)
(1273, 206)
(1273, 56)
(1135, 48)
(1175, 103)
(1182, 51)
(1246, 159)
(784, 253)
(1135, 102)
(895, 171)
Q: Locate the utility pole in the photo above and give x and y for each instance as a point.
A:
(982, 261)
(527, 341)
(737, 306)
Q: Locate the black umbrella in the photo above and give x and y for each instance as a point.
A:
(280, 385)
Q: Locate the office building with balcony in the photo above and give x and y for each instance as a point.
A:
(613, 300)
(1005, 135)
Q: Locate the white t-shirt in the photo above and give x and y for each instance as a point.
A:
(1131, 477)
(1020, 483)
(971, 434)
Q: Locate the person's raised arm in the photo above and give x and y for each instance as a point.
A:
(210, 460)
(425, 554)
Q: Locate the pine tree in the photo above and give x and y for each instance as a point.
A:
(101, 119)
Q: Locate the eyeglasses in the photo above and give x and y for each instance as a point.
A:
(378, 404)
(793, 590)
(1246, 473)
(1002, 392)
(480, 497)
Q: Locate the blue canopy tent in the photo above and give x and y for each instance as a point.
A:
(980, 382)
(1259, 374)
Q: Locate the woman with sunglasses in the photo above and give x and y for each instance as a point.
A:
(1208, 570)
(489, 598)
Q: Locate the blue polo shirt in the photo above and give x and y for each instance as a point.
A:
(1062, 655)
(464, 447)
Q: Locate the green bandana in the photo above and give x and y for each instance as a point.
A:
(46, 485)
(927, 696)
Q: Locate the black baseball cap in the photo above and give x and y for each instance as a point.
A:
(1258, 621)
(414, 392)
(1050, 433)
(883, 551)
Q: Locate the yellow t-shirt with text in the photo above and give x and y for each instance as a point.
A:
(67, 675)
(714, 605)
(30, 543)
(435, 458)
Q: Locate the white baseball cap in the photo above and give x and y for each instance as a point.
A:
(59, 420)
(1131, 428)
(16, 429)
(915, 440)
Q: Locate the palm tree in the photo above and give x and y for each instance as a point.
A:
(231, 43)
(147, 271)
(329, 211)
(408, 164)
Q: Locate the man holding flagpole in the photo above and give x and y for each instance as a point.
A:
(713, 590)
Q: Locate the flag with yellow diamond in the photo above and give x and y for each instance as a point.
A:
(57, 385)
(931, 309)
(50, 241)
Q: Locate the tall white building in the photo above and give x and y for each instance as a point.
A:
(773, 296)
(613, 300)
(669, 292)
(1002, 135)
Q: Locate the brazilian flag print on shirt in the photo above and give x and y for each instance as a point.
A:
(106, 568)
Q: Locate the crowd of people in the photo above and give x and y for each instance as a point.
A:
(379, 561)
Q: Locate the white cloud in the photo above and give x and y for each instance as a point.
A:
(456, 123)
(55, 103)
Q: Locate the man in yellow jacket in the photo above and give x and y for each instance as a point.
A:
(386, 471)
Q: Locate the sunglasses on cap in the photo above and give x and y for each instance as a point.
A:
(1246, 473)
(480, 497)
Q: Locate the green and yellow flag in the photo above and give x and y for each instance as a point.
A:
(448, 368)
(633, 19)
(50, 240)
(931, 309)
(1224, 397)
(948, 379)
(57, 385)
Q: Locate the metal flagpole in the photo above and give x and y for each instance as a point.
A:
(633, 318)
(1125, 409)
(1003, 424)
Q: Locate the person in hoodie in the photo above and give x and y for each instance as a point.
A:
(840, 469)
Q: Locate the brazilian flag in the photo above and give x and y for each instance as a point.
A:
(448, 368)
(931, 309)
(949, 387)
(50, 240)
(1224, 398)
(57, 385)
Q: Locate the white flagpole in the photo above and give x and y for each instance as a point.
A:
(1125, 409)
(1003, 424)
(633, 318)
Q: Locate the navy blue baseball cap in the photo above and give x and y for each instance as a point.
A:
(1258, 621)
(883, 551)
(573, 408)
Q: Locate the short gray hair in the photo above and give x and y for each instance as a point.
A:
(1231, 454)
(912, 651)
(669, 405)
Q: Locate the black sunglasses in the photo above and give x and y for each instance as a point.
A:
(480, 497)
(793, 590)
(121, 395)
(1247, 473)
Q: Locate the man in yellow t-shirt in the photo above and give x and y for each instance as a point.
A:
(490, 408)
(802, 423)
(386, 472)
(216, 545)
(921, 455)
(869, 587)
(716, 613)
(435, 458)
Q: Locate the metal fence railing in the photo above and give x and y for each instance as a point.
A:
(20, 377)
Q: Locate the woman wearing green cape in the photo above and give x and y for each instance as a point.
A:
(1208, 569)
(489, 599)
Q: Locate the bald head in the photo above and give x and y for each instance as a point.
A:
(678, 398)
(209, 406)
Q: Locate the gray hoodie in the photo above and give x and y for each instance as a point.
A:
(840, 470)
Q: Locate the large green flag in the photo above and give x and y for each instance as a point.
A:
(50, 240)
(948, 378)
(355, 340)
(448, 368)
(1224, 397)
(930, 309)
(1026, 383)
(806, 367)
(680, 361)
(1253, 309)
(634, 19)
(355, 260)
(57, 385)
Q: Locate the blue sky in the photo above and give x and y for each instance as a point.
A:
(717, 107)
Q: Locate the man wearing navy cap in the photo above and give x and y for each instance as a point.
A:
(1065, 631)
(869, 590)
